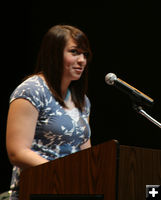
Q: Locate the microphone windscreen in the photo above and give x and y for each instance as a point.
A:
(110, 78)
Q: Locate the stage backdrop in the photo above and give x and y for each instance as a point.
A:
(125, 40)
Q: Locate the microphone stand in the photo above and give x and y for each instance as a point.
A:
(143, 113)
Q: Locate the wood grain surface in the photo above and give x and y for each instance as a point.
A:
(91, 171)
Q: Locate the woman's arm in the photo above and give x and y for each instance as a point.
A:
(21, 124)
(87, 144)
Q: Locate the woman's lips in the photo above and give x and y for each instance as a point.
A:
(78, 69)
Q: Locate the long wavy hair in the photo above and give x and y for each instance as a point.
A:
(50, 62)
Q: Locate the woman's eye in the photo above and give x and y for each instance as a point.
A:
(74, 51)
(86, 54)
(77, 52)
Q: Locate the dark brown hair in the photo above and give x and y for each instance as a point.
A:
(50, 62)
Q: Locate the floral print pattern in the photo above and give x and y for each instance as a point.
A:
(59, 132)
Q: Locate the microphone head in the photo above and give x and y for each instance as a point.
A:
(110, 78)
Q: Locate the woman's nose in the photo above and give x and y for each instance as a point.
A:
(81, 57)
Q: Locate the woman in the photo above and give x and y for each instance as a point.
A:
(48, 116)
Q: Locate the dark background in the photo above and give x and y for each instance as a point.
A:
(125, 40)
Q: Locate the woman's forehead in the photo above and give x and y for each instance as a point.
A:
(71, 41)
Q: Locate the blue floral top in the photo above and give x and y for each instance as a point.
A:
(59, 132)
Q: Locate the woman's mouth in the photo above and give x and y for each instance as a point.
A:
(78, 69)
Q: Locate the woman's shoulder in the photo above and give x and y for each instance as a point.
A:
(87, 101)
(34, 80)
(87, 106)
(33, 88)
(32, 83)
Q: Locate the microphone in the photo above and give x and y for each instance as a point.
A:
(137, 96)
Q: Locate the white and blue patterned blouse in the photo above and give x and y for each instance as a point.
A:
(59, 132)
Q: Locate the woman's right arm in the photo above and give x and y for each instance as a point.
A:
(21, 124)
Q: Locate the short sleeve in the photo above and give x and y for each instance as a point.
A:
(87, 107)
(31, 90)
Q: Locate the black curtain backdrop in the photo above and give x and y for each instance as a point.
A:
(125, 40)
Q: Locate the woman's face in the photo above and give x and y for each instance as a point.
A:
(74, 61)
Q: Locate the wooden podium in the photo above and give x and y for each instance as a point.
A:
(106, 171)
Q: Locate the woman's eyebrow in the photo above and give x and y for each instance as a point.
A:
(74, 46)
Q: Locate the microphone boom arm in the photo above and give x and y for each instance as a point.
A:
(146, 115)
